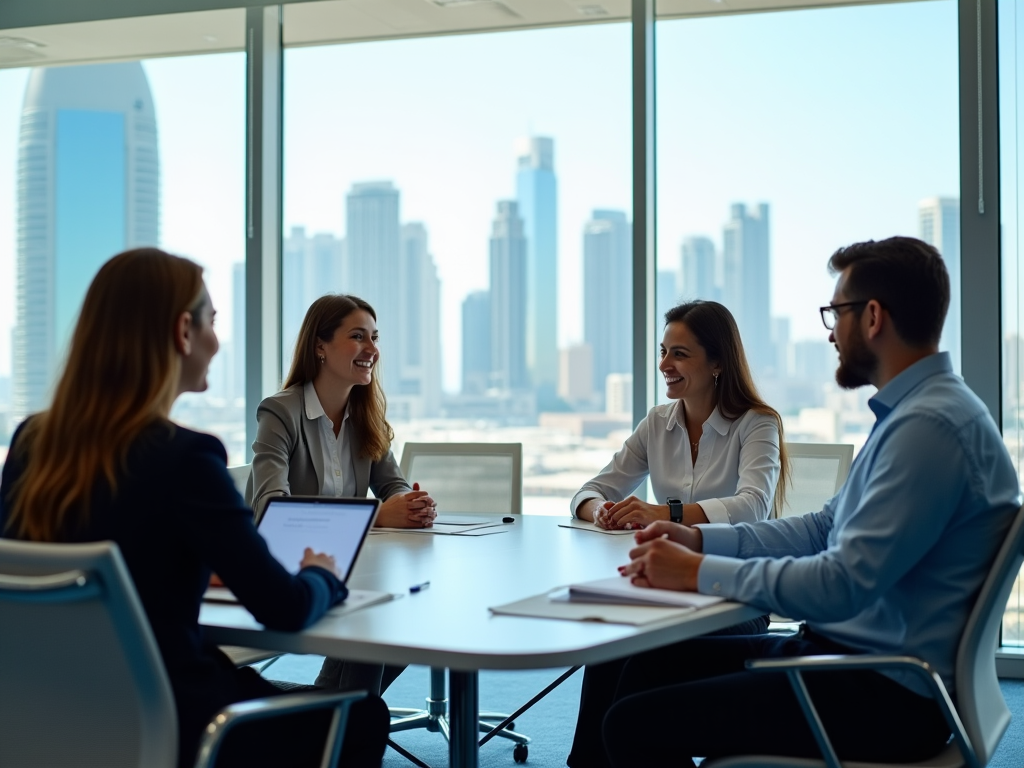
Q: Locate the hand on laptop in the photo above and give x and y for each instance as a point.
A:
(414, 509)
(309, 557)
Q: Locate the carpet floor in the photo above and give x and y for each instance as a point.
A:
(550, 723)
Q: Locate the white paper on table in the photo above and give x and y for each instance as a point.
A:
(586, 525)
(555, 605)
(620, 590)
(357, 598)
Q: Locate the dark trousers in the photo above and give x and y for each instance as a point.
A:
(341, 675)
(297, 741)
(600, 686)
(698, 699)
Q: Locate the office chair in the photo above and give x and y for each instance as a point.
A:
(465, 478)
(817, 472)
(240, 474)
(979, 717)
(84, 680)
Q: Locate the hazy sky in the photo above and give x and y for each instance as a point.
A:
(840, 119)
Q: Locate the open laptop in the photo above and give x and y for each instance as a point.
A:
(336, 527)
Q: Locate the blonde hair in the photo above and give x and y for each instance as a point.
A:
(367, 405)
(121, 376)
(715, 329)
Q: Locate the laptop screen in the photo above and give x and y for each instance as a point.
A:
(336, 527)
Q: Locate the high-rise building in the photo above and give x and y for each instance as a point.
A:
(88, 187)
(699, 269)
(618, 394)
(476, 343)
(508, 299)
(310, 268)
(746, 284)
(537, 195)
(575, 373)
(607, 285)
(417, 350)
(939, 225)
(667, 296)
(372, 250)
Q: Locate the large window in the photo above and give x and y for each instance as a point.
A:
(477, 191)
(1011, 111)
(783, 136)
(96, 158)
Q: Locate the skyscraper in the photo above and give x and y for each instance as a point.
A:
(607, 285)
(372, 250)
(417, 351)
(699, 269)
(310, 267)
(939, 225)
(746, 285)
(537, 195)
(88, 187)
(476, 343)
(508, 299)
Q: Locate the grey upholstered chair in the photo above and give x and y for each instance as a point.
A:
(82, 678)
(980, 716)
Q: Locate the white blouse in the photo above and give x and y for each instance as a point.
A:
(734, 477)
(339, 471)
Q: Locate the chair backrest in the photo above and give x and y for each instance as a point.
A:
(81, 676)
(481, 478)
(240, 474)
(979, 700)
(817, 472)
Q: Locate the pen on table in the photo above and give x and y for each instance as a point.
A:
(419, 587)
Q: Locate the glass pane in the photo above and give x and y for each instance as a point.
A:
(781, 137)
(1011, 133)
(476, 190)
(98, 158)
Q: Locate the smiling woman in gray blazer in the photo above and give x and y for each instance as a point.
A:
(325, 434)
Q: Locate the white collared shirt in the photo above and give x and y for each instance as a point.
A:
(339, 472)
(733, 479)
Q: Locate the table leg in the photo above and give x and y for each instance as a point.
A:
(464, 708)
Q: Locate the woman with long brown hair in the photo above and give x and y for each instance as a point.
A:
(325, 434)
(106, 462)
(715, 454)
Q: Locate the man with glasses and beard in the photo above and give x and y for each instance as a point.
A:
(890, 565)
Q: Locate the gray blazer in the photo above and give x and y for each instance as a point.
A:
(288, 458)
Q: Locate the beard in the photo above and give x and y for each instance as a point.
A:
(857, 363)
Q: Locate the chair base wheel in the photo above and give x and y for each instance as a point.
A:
(520, 753)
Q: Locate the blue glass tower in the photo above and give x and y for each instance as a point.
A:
(537, 195)
(88, 187)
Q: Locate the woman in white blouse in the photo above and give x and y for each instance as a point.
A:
(326, 434)
(717, 449)
(714, 455)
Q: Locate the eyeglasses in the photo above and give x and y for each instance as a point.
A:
(830, 313)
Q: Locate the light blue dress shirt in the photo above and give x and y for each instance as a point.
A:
(894, 560)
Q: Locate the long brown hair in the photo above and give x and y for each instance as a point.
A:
(367, 404)
(735, 393)
(121, 376)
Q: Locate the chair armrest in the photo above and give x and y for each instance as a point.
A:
(794, 665)
(273, 706)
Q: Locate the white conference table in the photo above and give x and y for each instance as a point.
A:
(448, 625)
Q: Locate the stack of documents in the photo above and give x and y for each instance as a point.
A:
(452, 526)
(614, 600)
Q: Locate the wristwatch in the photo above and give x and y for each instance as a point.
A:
(675, 510)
